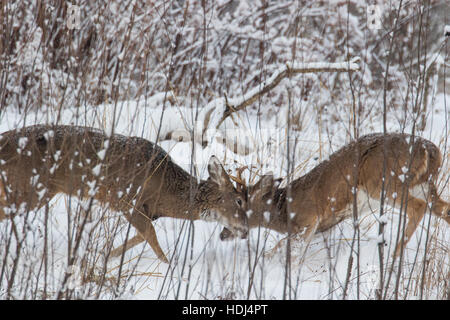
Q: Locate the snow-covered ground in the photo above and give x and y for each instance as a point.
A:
(215, 269)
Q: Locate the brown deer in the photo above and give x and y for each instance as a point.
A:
(325, 196)
(129, 174)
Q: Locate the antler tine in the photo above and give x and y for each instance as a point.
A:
(243, 186)
(240, 183)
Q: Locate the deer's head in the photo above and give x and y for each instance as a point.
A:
(259, 202)
(226, 205)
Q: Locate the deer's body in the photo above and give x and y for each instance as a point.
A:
(129, 174)
(325, 196)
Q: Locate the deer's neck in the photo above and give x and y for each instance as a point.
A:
(202, 203)
(192, 200)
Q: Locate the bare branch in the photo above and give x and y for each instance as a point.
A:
(233, 105)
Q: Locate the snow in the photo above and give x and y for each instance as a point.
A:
(96, 169)
(101, 154)
(49, 134)
(226, 263)
(266, 216)
(353, 65)
(221, 269)
(23, 142)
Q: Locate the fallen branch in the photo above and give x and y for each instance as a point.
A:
(237, 104)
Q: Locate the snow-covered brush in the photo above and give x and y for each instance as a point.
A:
(212, 119)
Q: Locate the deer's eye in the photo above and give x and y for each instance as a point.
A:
(239, 202)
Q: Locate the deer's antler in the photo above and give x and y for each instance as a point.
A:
(240, 183)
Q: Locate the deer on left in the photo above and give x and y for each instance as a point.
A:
(131, 175)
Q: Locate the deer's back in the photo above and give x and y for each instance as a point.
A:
(85, 162)
(329, 188)
(365, 156)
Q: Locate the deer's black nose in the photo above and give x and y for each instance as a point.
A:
(225, 234)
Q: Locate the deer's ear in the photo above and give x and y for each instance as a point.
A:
(217, 173)
(264, 186)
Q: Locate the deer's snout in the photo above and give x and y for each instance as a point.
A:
(241, 231)
(225, 235)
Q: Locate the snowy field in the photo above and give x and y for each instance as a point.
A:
(202, 266)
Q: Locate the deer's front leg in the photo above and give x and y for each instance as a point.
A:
(137, 239)
(143, 224)
(306, 234)
(131, 243)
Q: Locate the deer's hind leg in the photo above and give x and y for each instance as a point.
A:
(415, 207)
(415, 210)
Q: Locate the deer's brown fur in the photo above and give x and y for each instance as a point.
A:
(129, 174)
(324, 197)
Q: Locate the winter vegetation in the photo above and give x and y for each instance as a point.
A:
(268, 87)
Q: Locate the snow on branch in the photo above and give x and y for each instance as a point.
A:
(237, 104)
(216, 112)
(447, 31)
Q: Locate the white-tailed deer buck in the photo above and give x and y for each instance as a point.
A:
(130, 174)
(325, 196)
